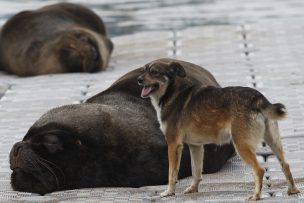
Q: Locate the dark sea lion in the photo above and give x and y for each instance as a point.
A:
(111, 140)
(59, 38)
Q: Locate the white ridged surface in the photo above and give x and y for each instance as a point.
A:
(272, 62)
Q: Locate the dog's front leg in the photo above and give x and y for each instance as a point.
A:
(174, 154)
(197, 157)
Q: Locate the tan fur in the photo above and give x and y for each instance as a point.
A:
(198, 115)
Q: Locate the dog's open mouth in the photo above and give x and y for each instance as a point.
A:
(148, 89)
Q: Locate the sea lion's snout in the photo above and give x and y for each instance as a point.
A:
(80, 52)
(16, 148)
(94, 53)
(92, 60)
(15, 162)
(18, 154)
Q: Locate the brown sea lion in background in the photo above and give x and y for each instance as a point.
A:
(111, 140)
(58, 38)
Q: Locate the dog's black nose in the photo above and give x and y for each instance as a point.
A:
(140, 80)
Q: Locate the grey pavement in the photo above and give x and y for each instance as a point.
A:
(265, 55)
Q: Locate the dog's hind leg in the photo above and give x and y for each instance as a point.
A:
(272, 138)
(248, 155)
(197, 157)
(245, 143)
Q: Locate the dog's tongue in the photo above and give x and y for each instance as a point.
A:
(146, 91)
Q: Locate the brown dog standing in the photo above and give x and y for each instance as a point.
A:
(199, 115)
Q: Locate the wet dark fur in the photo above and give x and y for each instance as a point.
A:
(54, 39)
(112, 140)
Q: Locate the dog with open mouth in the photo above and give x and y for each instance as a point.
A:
(192, 113)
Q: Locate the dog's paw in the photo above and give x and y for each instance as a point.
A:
(292, 191)
(167, 193)
(253, 197)
(191, 189)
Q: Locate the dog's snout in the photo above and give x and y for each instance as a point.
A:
(17, 148)
(140, 80)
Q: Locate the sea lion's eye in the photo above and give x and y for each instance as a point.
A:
(52, 143)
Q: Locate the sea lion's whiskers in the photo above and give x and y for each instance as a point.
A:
(51, 171)
(57, 167)
(32, 162)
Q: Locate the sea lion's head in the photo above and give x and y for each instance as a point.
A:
(83, 50)
(41, 160)
(66, 148)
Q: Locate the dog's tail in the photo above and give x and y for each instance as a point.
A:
(275, 111)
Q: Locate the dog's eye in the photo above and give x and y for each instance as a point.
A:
(154, 72)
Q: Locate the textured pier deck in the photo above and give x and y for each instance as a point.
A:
(267, 56)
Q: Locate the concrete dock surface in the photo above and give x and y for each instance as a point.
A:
(259, 44)
(267, 56)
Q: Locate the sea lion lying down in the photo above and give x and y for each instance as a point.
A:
(112, 140)
(59, 38)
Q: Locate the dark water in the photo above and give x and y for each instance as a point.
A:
(129, 16)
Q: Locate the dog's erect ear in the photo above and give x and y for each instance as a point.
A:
(177, 69)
